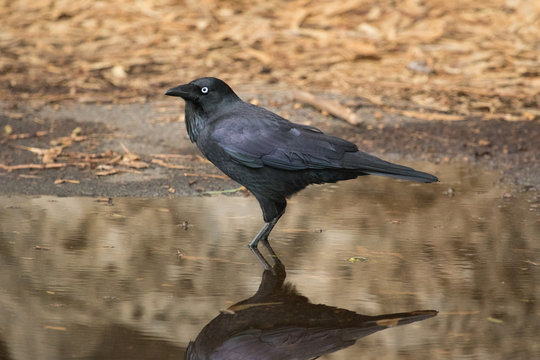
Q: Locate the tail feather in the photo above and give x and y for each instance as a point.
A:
(372, 165)
(380, 322)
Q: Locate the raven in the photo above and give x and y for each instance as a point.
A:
(279, 323)
(269, 155)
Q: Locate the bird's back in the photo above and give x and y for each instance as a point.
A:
(272, 156)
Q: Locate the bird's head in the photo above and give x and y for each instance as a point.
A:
(207, 93)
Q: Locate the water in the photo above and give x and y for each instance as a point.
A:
(80, 279)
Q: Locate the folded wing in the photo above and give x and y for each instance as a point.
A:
(278, 143)
(275, 142)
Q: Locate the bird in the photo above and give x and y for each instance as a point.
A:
(278, 323)
(269, 155)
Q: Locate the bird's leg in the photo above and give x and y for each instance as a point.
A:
(266, 265)
(262, 260)
(263, 234)
(266, 244)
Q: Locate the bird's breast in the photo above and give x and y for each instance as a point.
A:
(194, 121)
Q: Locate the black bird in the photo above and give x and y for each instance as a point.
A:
(269, 155)
(278, 323)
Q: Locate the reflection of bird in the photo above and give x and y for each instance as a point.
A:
(278, 323)
(271, 156)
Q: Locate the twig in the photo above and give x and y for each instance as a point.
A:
(32, 166)
(330, 106)
(27, 135)
(228, 191)
(116, 171)
(171, 166)
(428, 115)
(167, 156)
(208, 176)
(61, 181)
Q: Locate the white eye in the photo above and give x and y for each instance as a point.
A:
(204, 90)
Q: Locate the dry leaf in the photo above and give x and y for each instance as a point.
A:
(8, 129)
(51, 154)
(106, 172)
(486, 56)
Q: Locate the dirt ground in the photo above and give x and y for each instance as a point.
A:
(143, 149)
(81, 83)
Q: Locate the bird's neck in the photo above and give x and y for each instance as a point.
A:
(194, 120)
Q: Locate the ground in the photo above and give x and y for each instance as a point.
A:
(143, 149)
(83, 112)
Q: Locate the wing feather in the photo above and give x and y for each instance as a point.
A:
(256, 137)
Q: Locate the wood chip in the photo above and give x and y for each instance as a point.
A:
(62, 181)
(487, 56)
(330, 106)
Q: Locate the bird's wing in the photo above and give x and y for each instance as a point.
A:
(282, 343)
(300, 342)
(256, 137)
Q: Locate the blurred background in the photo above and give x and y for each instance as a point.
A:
(475, 58)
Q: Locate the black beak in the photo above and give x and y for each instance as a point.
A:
(186, 91)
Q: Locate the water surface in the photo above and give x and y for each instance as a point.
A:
(140, 279)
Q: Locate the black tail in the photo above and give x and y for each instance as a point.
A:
(372, 324)
(372, 165)
(389, 320)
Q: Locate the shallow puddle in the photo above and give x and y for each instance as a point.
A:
(141, 278)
